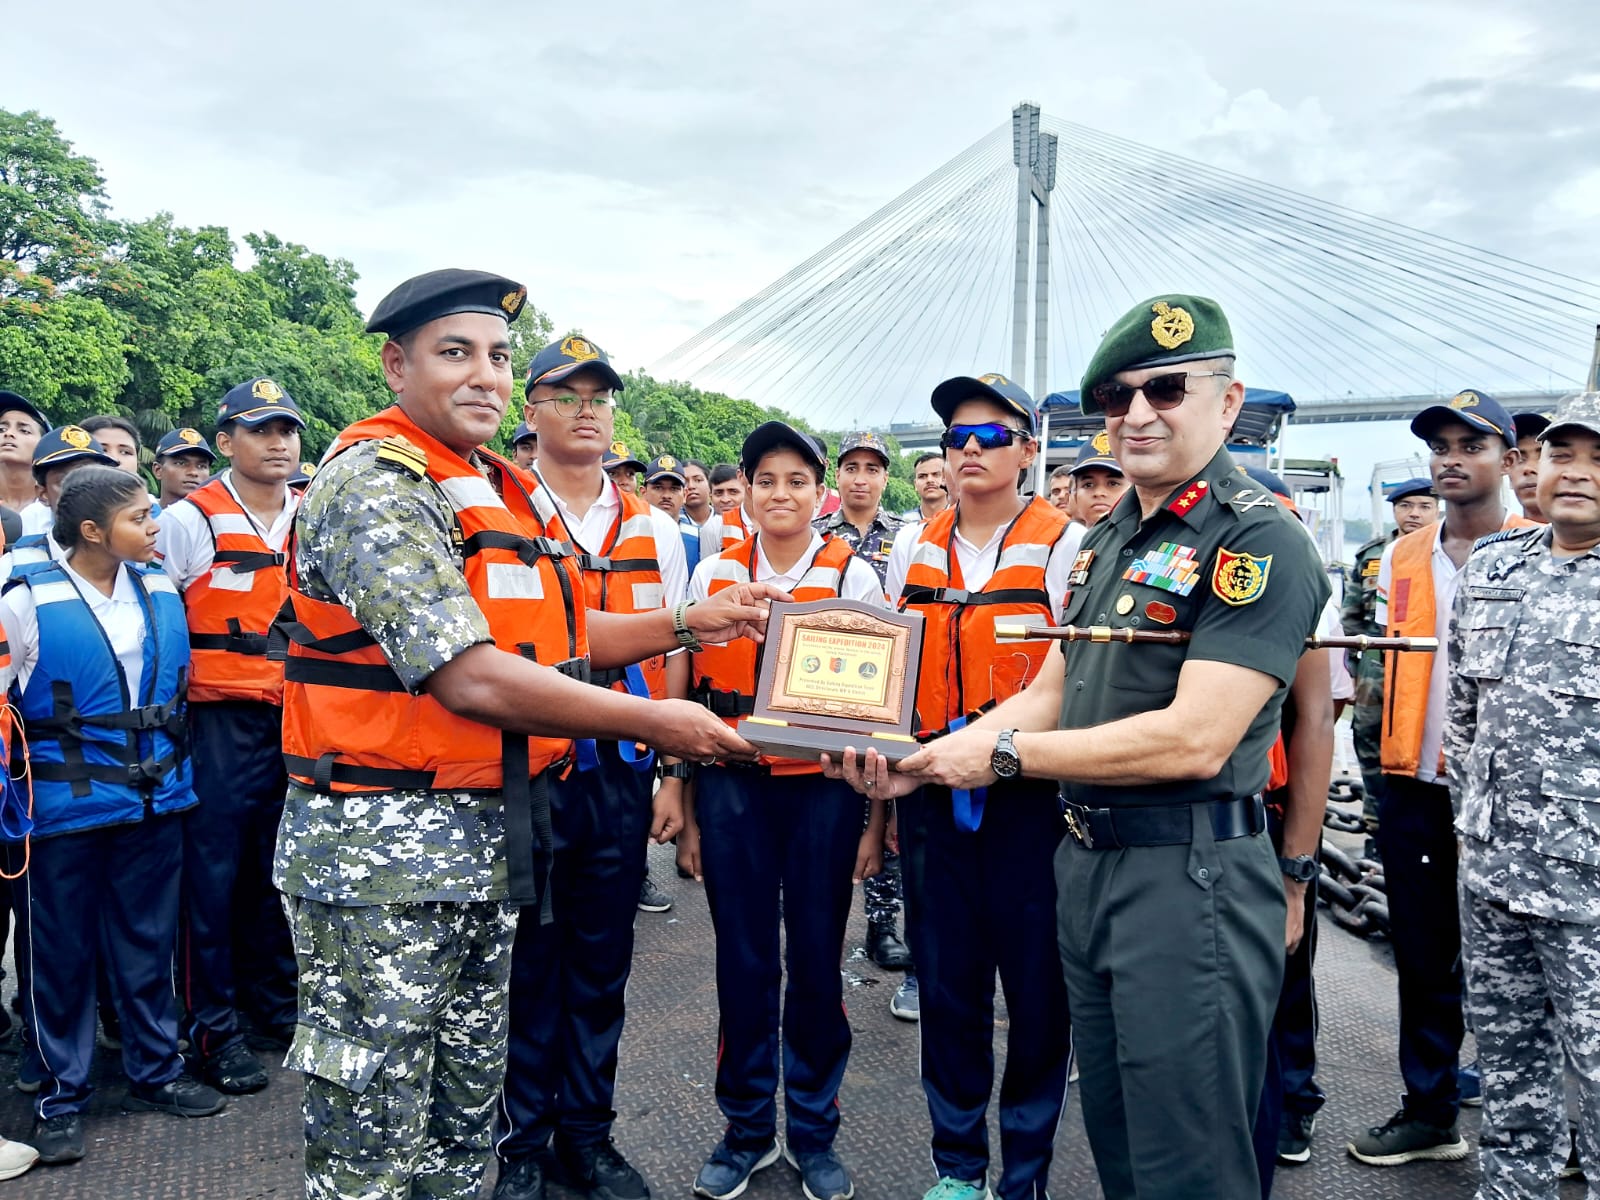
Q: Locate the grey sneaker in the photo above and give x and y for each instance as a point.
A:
(1294, 1138)
(652, 898)
(905, 1003)
(1403, 1139)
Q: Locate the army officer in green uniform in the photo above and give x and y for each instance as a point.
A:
(1170, 897)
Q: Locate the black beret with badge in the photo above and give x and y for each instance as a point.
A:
(427, 297)
(1159, 332)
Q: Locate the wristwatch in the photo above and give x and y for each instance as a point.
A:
(677, 770)
(1300, 869)
(1004, 761)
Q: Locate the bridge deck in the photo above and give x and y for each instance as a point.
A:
(669, 1119)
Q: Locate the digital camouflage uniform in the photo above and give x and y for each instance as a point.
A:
(397, 901)
(1524, 764)
(1357, 615)
(881, 893)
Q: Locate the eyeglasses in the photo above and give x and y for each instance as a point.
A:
(571, 406)
(991, 436)
(1162, 392)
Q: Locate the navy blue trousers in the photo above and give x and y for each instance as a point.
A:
(568, 978)
(1416, 836)
(110, 893)
(234, 950)
(763, 836)
(977, 904)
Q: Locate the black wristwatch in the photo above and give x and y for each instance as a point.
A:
(1300, 869)
(677, 770)
(1004, 761)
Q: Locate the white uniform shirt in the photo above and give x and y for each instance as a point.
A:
(591, 528)
(1446, 578)
(120, 615)
(977, 563)
(36, 518)
(184, 545)
(859, 581)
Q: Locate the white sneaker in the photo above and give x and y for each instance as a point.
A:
(15, 1158)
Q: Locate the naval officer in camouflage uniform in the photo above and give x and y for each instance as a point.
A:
(399, 900)
(1523, 757)
(1415, 504)
(1171, 904)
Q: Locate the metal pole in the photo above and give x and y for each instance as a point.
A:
(1044, 175)
(1592, 384)
(1041, 478)
(1024, 152)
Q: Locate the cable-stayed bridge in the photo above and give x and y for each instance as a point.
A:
(1017, 253)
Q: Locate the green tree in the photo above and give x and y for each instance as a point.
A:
(52, 202)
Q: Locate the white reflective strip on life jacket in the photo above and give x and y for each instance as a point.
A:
(931, 555)
(543, 506)
(1022, 554)
(160, 583)
(647, 596)
(233, 523)
(470, 491)
(825, 578)
(636, 527)
(53, 591)
(224, 578)
(514, 581)
(731, 570)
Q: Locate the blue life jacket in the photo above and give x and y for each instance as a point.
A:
(30, 550)
(96, 762)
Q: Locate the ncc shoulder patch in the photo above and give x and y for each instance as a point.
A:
(1240, 579)
(403, 455)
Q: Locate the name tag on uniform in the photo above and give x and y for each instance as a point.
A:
(1478, 591)
(1172, 568)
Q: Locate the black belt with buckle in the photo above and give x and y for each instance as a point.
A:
(1162, 825)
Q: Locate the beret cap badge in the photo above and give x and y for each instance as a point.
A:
(580, 349)
(76, 437)
(1101, 442)
(265, 389)
(1172, 326)
(1465, 400)
(191, 436)
(511, 302)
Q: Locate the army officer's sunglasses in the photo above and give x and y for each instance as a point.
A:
(1162, 392)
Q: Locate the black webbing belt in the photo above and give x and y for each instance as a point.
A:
(724, 704)
(237, 640)
(530, 835)
(927, 595)
(65, 726)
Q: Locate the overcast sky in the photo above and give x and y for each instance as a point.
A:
(644, 167)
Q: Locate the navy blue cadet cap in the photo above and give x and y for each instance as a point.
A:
(949, 395)
(257, 401)
(1419, 486)
(11, 402)
(1529, 424)
(427, 297)
(664, 466)
(1473, 408)
(618, 456)
(1096, 453)
(185, 441)
(567, 357)
(68, 444)
(522, 433)
(772, 435)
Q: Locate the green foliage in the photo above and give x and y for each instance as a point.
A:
(52, 201)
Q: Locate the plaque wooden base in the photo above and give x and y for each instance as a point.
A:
(782, 740)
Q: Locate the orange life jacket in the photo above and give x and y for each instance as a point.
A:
(964, 669)
(231, 609)
(349, 725)
(624, 577)
(723, 533)
(725, 675)
(1412, 613)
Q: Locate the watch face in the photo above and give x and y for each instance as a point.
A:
(1004, 763)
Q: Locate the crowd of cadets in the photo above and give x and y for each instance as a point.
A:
(139, 631)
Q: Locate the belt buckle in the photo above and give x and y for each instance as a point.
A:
(1079, 829)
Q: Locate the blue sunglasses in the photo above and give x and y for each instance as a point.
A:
(991, 436)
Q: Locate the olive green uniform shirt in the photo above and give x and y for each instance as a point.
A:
(1223, 561)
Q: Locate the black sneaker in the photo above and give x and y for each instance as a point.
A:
(598, 1170)
(652, 898)
(59, 1139)
(1294, 1137)
(184, 1096)
(236, 1071)
(1403, 1139)
(521, 1180)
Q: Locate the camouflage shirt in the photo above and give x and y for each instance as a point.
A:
(873, 545)
(379, 542)
(1358, 615)
(1519, 739)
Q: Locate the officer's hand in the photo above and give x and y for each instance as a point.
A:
(735, 612)
(959, 761)
(689, 851)
(1295, 925)
(870, 776)
(666, 812)
(869, 854)
(891, 832)
(686, 730)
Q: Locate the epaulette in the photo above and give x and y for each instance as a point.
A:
(403, 455)
(1503, 535)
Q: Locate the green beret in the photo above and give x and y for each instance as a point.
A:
(1162, 331)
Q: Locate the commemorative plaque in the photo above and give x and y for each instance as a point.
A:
(836, 673)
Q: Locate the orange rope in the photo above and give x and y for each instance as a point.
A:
(11, 720)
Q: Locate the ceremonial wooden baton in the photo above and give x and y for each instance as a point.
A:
(1105, 633)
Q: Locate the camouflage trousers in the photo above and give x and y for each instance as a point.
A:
(1533, 992)
(402, 1039)
(881, 893)
(1366, 730)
